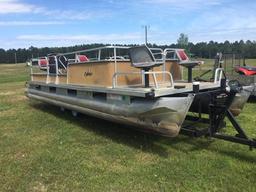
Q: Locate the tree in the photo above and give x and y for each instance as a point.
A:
(182, 41)
(200, 49)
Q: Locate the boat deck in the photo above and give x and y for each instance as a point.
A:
(179, 87)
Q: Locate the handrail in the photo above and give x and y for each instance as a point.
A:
(218, 75)
(95, 53)
(153, 73)
(94, 49)
(111, 53)
(159, 52)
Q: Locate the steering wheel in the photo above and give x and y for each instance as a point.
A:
(235, 86)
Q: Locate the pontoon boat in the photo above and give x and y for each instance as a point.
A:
(138, 86)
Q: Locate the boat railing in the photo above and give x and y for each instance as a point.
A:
(57, 64)
(142, 73)
(157, 53)
(39, 65)
(106, 53)
(218, 75)
(111, 52)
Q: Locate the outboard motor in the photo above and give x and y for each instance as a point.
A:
(234, 86)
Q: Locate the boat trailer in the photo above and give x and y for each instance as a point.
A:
(217, 110)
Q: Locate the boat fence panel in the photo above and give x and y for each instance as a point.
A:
(39, 69)
(229, 63)
(153, 73)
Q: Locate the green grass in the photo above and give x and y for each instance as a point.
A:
(208, 64)
(44, 149)
(250, 62)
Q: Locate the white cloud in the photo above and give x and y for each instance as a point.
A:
(184, 4)
(40, 40)
(226, 23)
(202, 20)
(30, 23)
(90, 38)
(233, 23)
(26, 41)
(14, 6)
(68, 14)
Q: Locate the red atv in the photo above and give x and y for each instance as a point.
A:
(246, 70)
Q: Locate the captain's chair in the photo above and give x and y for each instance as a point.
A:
(42, 63)
(142, 58)
(186, 62)
(81, 58)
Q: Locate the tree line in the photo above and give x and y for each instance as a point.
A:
(201, 49)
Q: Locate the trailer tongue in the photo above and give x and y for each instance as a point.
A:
(218, 111)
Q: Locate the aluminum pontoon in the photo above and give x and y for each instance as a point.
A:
(136, 86)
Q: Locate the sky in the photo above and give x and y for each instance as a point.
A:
(48, 23)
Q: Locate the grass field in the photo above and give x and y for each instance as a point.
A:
(44, 149)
